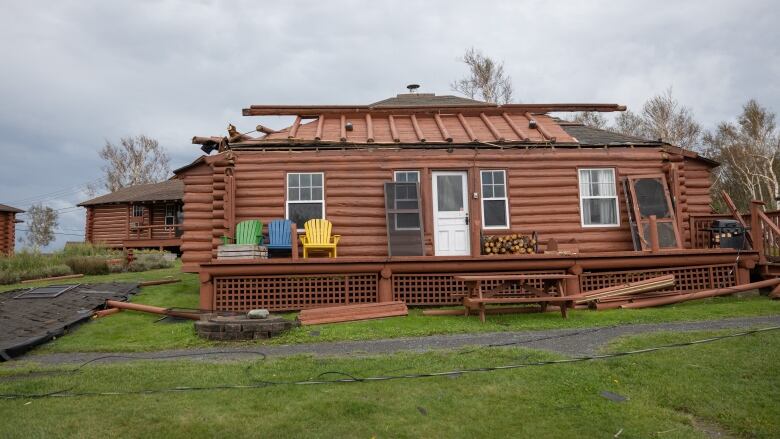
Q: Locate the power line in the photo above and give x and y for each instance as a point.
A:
(56, 233)
(56, 194)
(259, 383)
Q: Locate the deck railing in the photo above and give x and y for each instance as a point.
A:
(159, 231)
(766, 233)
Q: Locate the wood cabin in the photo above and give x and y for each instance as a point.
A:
(8, 228)
(145, 216)
(458, 170)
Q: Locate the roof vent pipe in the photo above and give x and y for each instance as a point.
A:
(413, 88)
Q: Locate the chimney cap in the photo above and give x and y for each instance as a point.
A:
(413, 87)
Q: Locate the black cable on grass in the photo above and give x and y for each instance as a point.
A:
(352, 379)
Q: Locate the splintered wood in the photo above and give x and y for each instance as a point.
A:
(619, 292)
(348, 313)
(513, 244)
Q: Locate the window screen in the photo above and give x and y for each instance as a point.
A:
(405, 198)
(305, 197)
(402, 208)
(650, 196)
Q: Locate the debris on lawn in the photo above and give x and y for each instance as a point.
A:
(701, 294)
(28, 322)
(106, 312)
(631, 288)
(152, 309)
(348, 313)
(69, 276)
(159, 282)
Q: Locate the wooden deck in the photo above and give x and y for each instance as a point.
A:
(293, 284)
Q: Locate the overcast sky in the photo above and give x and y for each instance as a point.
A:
(74, 74)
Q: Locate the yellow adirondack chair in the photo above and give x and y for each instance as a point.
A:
(318, 237)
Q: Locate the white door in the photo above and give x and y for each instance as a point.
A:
(450, 213)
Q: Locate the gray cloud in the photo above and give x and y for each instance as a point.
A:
(77, 73)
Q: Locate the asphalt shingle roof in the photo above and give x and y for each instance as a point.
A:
(425, 100)
(163, 191)
(594, 136)
(5, 208)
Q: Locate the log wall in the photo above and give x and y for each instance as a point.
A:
(107, 224)
(7, 232)
(542, 186)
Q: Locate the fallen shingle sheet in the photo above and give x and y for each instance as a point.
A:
(25, 323)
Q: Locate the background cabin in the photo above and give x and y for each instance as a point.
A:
(141, 216)
(440, 173)
(8, 228)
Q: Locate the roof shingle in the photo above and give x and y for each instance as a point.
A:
(168, 190)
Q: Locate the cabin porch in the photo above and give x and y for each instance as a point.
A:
(285, 284)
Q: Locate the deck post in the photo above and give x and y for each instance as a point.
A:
(476, 239)
(655, 247)
(294, 241)
(743, 271)
(206, 292)
(756, 232)
(385, 287)
(572, 286)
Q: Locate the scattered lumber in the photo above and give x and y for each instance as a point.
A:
(349, 313)
(151, 309)
(700, 294)
(106, 312)
(514, 244)
(69, 276)
(643, 286)
(158, 282)
(492, 310)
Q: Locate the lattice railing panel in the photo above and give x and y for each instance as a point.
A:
(293, 292)
(687, 279)
(442, 289)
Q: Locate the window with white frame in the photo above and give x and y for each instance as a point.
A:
(305, 197)
(598, 197)
(495, 205)
(406, 197)
(170, 214)
(138, 210)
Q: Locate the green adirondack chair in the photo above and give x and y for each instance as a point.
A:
(248, 232)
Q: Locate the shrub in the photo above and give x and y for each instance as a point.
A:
(87, 249)
(88, 264)
(149, 260)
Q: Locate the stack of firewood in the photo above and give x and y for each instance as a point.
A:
(514, 244)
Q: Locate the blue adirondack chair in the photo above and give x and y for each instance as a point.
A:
(280, 235)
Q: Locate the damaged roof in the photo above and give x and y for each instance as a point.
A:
(168, 190)
(6, 208)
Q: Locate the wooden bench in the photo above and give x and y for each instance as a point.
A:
(478, 296)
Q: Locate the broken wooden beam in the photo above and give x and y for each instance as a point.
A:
(69, 276)
(158, 282)
(643, 286)
(151, 309)
(701, 294)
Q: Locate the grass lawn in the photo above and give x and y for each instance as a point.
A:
(730, 385)
(132, 332)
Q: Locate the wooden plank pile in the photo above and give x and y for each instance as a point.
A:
(242, 251)
(617, 295)
(348, 313)
(514, 244)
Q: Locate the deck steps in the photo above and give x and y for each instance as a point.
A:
(349, 313)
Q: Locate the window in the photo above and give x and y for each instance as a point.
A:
(305, 197)
(138, 210)
(495, 206)
(598, 198)
(406, 198)
(170, 214)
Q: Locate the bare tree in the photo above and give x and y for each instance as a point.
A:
(41, 221)
(135, 160)
(486, 81)
(628, 123)
(749, 152)
(662, 117)
(592, 119)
